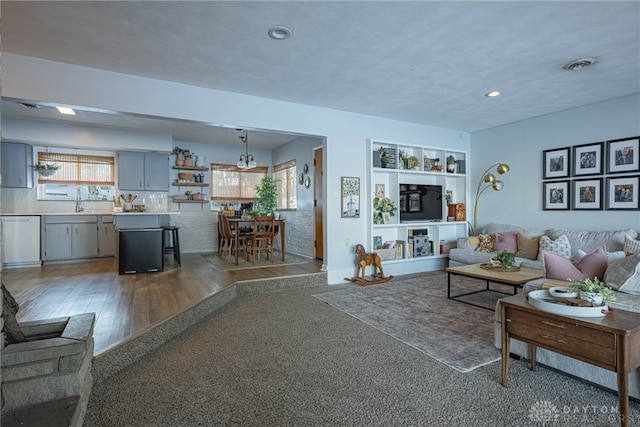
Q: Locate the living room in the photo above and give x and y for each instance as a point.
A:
(342, 134)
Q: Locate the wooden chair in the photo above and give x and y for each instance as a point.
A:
(230, 239)
(262, 238)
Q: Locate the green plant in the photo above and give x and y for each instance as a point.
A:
(506, 258)
(593, 286)
(384, 204)
(184, 151)
(266, 194)
(45, 167)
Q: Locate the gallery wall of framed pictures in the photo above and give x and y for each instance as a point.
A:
(595, 176)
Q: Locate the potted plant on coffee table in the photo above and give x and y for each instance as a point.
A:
(592, 290)
(504, 258)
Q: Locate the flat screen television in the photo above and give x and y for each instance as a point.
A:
(420, 202)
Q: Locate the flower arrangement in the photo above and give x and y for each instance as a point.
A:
(384, 204)
(587, 287)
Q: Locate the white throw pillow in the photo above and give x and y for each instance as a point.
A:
(624, 275)
(631, 245)
(611, 256)
(560, 246)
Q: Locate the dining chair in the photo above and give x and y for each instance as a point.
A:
(232, 239)
(262, 238)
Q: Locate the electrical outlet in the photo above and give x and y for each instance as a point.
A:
(346, 242)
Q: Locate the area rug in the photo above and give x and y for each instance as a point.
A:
(222, 264)
(417, 312)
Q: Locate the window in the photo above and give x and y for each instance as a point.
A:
(285, 176)
(92, 177)
(228, 182)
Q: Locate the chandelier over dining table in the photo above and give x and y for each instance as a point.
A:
(246, 160)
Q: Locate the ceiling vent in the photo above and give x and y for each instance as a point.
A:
(579, 64)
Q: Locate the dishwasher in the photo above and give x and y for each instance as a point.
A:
(20, 241)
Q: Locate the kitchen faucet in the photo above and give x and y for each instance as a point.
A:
(79, 207)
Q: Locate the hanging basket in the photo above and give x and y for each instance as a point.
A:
(46, 172)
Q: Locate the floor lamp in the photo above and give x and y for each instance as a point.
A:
(488, 180)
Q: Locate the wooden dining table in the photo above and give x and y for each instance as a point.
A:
(237, 222)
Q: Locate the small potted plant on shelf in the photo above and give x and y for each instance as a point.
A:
(45, 169)
(382, 205)
(592, 290)
(188, 194)
(505, 259)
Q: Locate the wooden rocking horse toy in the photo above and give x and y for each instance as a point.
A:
(363, 260)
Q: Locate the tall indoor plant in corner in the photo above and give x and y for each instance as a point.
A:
(266, 193)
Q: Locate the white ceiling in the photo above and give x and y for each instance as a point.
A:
(427, 62)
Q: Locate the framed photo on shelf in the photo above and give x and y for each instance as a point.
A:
(379, 191)
(556, 195)
(587, 194)
(386, 217)
(350, 191)
(587, 159)
(622, 193)
(556, 163)
(622, 155)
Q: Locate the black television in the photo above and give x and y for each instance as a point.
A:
(420, 202)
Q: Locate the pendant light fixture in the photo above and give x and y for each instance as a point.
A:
(246, 160)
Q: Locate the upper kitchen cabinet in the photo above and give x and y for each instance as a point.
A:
(16, 165)
(143, 171)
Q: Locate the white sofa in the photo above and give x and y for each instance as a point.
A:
(586, 241)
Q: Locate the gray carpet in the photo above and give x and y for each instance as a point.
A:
(289, 359)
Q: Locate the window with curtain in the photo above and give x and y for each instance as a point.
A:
(91, 177)
(228, 182)
(285, 176)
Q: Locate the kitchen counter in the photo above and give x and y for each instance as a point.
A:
(84, 213)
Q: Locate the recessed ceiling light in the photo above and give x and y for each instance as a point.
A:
(279, 33)
(66, 110)
(578, 64)
(493, 94)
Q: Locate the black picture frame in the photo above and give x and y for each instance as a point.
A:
(556, 195)
(623, 155)
(587, 194)
(556, 163)
(616, 188)
(588, 159)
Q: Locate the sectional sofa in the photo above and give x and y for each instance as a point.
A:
(569, 249)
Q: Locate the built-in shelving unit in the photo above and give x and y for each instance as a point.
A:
(179, 183)
(391, 165)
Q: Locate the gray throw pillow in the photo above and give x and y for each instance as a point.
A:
(623, 275)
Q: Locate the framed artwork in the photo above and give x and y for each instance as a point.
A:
(622, 193)
(556, 163)
(379, 191)
(386, 217)
(556, 195)
(587, 159)
(587, 194)
(350, 191)
(622, 155)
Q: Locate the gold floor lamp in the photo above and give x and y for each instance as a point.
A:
(489, 181)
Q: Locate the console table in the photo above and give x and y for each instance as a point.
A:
(611, 342)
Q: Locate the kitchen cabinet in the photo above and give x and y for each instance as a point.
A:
(143, 171)
(107, 236)
(67, 237)
(17, 159)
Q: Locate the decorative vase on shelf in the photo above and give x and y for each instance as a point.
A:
(188, 162)
(200, 161)
(377, 217)
(179, 159)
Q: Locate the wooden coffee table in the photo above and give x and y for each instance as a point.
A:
(515, 278)
(611, 342)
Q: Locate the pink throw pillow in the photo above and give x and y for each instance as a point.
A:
(505, 242)
(592, 265)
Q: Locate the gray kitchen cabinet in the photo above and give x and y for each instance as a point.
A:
(17, 159)
(143, 171)
(70, 237)
(107, 236)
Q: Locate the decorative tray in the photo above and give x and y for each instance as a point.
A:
(488, 266)
(543, 300)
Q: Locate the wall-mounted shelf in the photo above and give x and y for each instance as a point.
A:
(201, 185)
(190, 168)
(190, 184)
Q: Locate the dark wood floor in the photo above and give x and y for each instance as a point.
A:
(126, 305)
